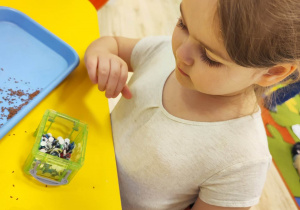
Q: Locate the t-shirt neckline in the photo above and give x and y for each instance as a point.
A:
(190, 122)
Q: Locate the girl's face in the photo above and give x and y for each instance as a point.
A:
(202, 63)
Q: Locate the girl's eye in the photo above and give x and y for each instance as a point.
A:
(203, 55)
(206, 59)
(180, 24)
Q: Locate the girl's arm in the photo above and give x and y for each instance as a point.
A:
(107, 60)
(200, 205)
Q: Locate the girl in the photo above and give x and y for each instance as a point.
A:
(192, 130)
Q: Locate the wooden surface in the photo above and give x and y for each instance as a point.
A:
(139, 18)
(275, 195)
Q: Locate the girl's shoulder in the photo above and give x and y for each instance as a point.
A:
(149, 47)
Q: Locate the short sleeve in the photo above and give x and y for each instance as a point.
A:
(147, 49)
(239, 185)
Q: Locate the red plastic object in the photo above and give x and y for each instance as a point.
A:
(98, 3)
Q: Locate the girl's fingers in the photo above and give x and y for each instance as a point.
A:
(103, 73)
(91, 66)
(126, 92)
(113, 78)
(110, 74)
(122, 80)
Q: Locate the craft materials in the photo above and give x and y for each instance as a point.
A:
(56, 146)
(59, 149)
(13, 99)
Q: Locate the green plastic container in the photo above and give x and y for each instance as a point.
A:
(53, 170)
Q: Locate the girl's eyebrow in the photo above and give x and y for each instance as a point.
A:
(201, 43)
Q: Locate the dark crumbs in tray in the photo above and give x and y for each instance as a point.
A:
(15, 99)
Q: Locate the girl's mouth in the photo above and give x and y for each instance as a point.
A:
(182, 72)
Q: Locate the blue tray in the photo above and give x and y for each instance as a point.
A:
(32, 60)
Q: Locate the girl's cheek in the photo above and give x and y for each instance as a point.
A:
(175, 41)
(177, 38)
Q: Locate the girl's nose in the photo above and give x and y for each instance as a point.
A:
(184, 53)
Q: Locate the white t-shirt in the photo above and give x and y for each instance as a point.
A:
(165, 162)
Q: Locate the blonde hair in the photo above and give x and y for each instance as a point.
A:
(261, 33)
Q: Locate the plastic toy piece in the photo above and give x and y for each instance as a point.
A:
(98, 3)
(48, 181)
(50, 160)
(296, 156)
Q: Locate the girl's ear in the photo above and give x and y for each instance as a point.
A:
(276, 74)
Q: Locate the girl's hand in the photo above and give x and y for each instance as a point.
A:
(107, 60)
(110, 72)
